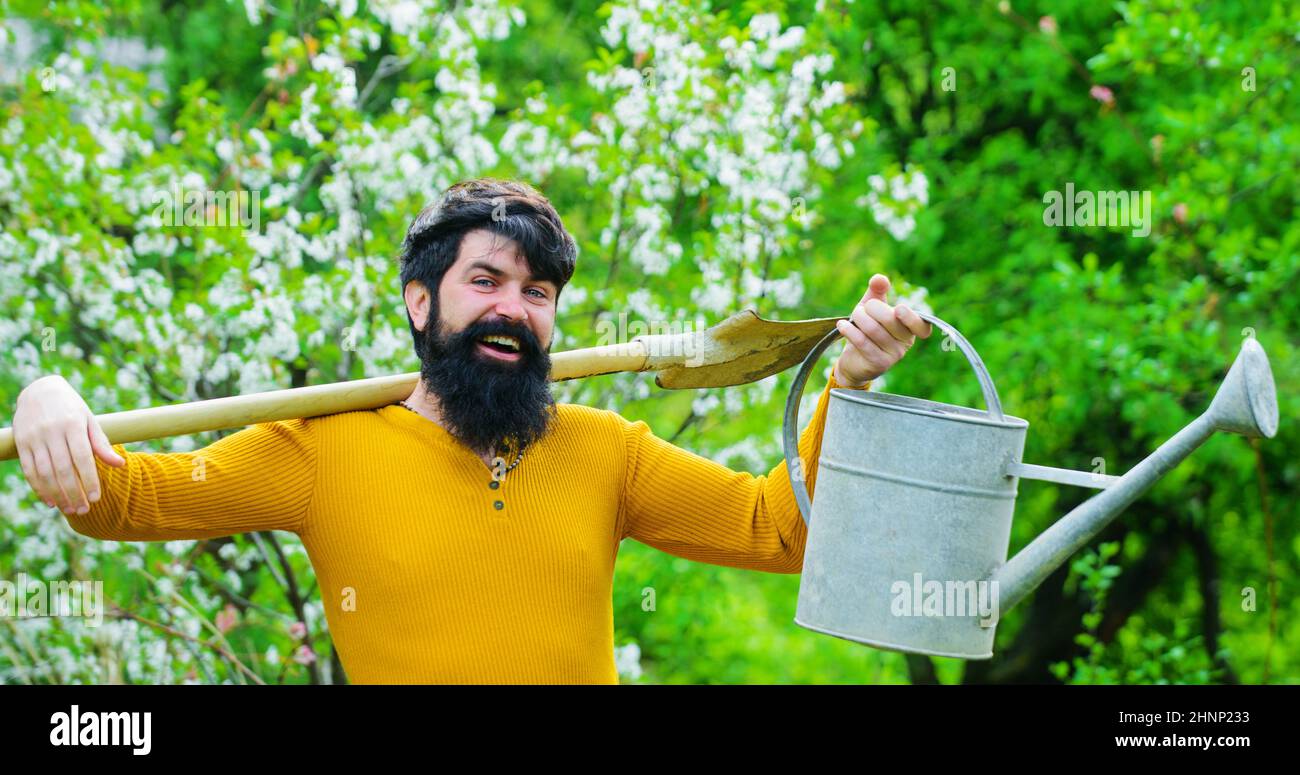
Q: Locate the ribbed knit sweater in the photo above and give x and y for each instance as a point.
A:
(431, 572)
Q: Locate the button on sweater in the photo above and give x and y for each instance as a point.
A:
(429, 573)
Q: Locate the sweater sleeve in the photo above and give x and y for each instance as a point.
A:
(693, 507)
(260, 478)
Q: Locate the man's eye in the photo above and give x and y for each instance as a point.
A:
(483, 280)
(540, 294)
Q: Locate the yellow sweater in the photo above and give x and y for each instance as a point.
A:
(429, 573)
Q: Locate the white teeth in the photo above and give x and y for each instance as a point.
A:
(508, 341)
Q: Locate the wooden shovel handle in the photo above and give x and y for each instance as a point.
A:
(315, 400)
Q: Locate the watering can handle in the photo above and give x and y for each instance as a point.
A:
(993, 406)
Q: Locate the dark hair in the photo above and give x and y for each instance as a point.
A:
(508, 208)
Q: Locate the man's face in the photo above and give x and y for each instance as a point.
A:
(491, 281)
(484, 356)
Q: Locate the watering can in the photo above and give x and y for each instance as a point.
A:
(907, 549)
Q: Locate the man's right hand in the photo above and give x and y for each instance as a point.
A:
(58, 439)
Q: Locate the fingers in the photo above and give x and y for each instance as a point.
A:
(855, 337)
(877, 334)
(63, 472)
(26, 459)
(103, 448)
(57, 439)
(914, 323)
(860, 353)
(883, 314)
(66, 475)
(48, 488)
(900, 321)
(83, 461)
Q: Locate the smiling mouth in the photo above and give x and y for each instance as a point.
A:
(504, 348)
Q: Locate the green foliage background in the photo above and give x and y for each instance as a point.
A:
(1105, 342)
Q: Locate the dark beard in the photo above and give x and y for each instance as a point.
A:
(491, 406)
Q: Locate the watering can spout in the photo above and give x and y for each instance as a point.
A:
(1246, 404)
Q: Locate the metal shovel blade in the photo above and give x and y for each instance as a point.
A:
(743, 348)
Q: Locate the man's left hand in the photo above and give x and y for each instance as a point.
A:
(878, 335)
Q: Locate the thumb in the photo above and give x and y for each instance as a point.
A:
(103, 450)
(878, 288)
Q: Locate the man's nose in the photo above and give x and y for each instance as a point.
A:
(511, 308)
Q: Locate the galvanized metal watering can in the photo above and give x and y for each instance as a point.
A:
(907, 547)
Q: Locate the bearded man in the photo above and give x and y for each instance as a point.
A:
(469, 533)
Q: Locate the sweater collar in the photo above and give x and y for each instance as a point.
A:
(422, 425)
(428, 429)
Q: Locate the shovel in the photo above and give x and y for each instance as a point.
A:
(741, 349)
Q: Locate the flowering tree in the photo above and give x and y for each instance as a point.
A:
(707, 158)
(689, 172)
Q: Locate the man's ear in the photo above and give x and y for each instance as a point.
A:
(418, 303)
